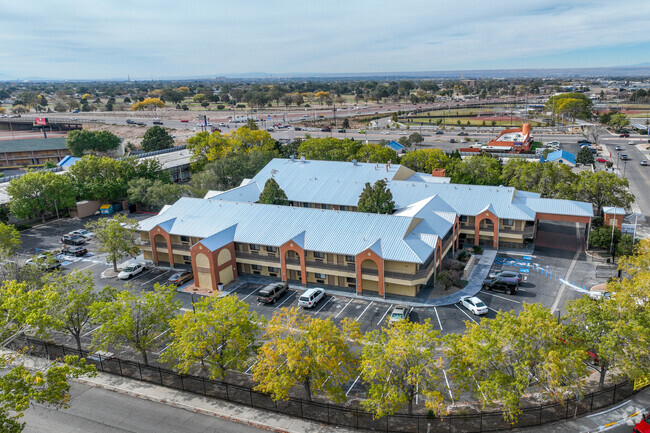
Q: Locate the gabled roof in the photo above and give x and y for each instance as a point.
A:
(612, 210)
(560, 155)
(249, 192)
(332, 231)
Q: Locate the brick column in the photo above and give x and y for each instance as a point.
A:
(370, 255)
(292, 246)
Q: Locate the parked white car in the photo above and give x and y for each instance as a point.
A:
(554, 144)
(474, 304)
(311, 297)
(82, 232)
(131, 271)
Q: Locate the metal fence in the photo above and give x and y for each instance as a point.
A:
(333, 414)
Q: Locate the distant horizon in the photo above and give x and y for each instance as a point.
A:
(164, 39)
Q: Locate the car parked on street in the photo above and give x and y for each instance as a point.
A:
(75, 240)
(74, 251)
(271, 293)
(474, 304)
(553, 144)
(400, 312)
(131, 271)
(180, 278)
(643, 162)
(310, 298)
(601, 160)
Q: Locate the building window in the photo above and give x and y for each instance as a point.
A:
(462, 218)
(319, 255)
(343, 207)
(188, 259)
(320, 276)
(272, 249)
(350, 259)
(185, 239)
(305, 205)
(508, 222)
(272, 269)
(254, 247)
(352, 282)
(256, 267)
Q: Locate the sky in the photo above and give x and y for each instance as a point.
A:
(151, 39)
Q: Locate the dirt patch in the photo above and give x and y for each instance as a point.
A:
(134, 134)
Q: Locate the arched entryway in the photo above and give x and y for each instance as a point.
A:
(226, 274)
(294, 266)
(369, 282)
(203, 274)
(484, 225)
(160, 243)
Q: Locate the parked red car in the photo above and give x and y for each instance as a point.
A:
(601, 160)
(643, 426)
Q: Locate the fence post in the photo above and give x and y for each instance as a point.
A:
(182, 383)
(160, 374)
(140, 370)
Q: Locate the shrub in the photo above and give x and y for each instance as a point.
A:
(478, 249)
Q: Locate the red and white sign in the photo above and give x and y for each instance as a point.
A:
(41, 121)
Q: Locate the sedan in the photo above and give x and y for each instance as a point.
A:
(184, 121)
(624, 135)
(618, 148)
(439, 132)
(601, 160)
(474, 304)
(82, 232)
(131, 271)
(643, 162)
(384, 133)
(73, 240)
(74, 251)
(400, 312)
(508, 274)
(180, 278)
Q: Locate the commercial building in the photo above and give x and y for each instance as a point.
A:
(32, 151)
(514, 140)
(322, 239)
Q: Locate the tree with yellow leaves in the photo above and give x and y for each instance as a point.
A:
(148, 104)
(299, 349)
(86, 96)
(322, 96)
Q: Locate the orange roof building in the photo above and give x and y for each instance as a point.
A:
(514, 140)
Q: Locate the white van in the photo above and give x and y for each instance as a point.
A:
(311, 297)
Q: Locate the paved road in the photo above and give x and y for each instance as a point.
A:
(101, 411)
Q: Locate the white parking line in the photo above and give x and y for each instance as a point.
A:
(382, 317)
(91, 331)
(501, 297)
(339, 313)
(489, 308)
(141, 274)
(156, 277)
(353, 383)
(438, 317)
(323, 306)
(364, 310)
(286, 299)
(462, 311)
(248, 295)
(448, 387)
(89, 266)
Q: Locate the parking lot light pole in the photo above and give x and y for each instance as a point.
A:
(58, 220)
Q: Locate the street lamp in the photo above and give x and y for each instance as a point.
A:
(624, 167)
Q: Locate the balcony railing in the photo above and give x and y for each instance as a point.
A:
(259, 257)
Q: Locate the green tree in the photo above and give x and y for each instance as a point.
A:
(425, 160)
(116, 237)
(346, 123)
(575, 105)
(603, 189)
(156, 138)
(329, 149)
(302, 350)
(477, 170)
(219, 334)
(22, 387)
(252, 125)
(154, 194)
(416, 138)
(376, 198)
(273, 194)
(9, 240)
(71, 297)
(377, 153)
(399, 362)
(100, 178)
(134, 319)
(584, 156)
(82, 140)
(604, 237)
(502, 359)
(35, 194)
(230, 171)
(618, 121)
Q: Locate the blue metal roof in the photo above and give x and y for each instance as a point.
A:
(560, 155)
(338, 232)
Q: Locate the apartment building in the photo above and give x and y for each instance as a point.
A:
(321, 238)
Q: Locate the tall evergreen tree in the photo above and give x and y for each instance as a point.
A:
(376, 198)
(273, 194)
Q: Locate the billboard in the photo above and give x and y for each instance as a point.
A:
(41, 121)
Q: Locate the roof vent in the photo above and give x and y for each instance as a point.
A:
(293, 157)
(302, 159)
(354, 162)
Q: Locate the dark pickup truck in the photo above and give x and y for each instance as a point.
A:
(271, 293)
